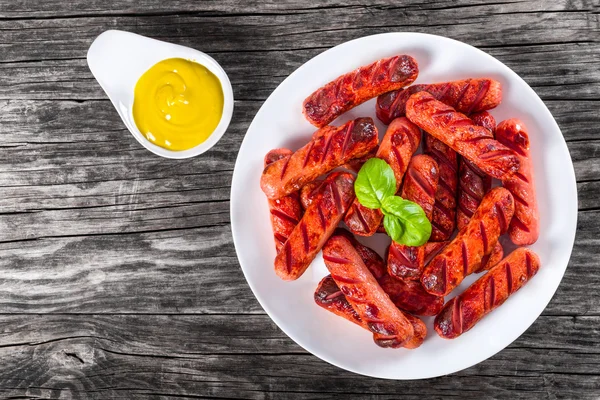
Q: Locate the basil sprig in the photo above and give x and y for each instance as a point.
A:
(404, 221)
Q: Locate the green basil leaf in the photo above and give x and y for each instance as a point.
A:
(375, 182)
(393, 227)
(416, 228)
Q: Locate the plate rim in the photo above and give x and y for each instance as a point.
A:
(509, 71)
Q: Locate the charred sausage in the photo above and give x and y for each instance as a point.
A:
(364, 294)
(466, 96)
(286, 211)
(316, 226)
(488, 293)
(420, 184)
(524, 228)
(398, 145)
(324, 152)
(443, 219)
(473, 142)
(354, 88)
(463, 255)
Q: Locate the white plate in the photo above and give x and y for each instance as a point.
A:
(279, 123)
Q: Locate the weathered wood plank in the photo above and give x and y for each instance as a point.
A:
(123, 356)
(191, 271)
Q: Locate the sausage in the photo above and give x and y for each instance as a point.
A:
(524, 228)
(316, 226)
(324, 152)
(286, 211)
(487, 262)
(443, 219)
(356, 164)
(354, 88)
(488, 293)
(463, 255)
(471, 189)
(484, 119)
(364, 294)
(473, 142)
(410, 296)
(372, 260)
(399, 143)
(420, 184)
(329, 296)
(309, 192)
(466, 96)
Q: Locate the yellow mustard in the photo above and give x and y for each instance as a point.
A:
(177, 104)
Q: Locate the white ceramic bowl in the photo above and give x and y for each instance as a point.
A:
(118, 59)
(279, 123)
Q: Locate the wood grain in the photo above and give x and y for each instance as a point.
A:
(118, 275)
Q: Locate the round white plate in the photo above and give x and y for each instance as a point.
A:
(280, 123)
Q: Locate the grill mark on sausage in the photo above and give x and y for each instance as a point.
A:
(462, 93)
(337, 260)
(444, 90)
(528, 265)
(501, 217)
(519, 199)
(284, 169)
(283, 216)
(361, 218)
(312, 144)
(336, 196)
(288, 256)
(511, 145)
(457, 318)
(326, 148)
(347, 138)
(517, 222)
(490, 294)
(304, 236)
(495, 154)
(442, 209)
(403, 260)
(509, 279)
(464, 210)
(435, 225)
(441, 158)
(321, 217)
(521, 177)
(467, 190)
(465, 257)
(281, 239)
(483, 89)
(398, 159)
(444, 185)
(484, 237)
(419, 180)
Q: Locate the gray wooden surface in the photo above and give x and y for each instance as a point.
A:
(118, 275)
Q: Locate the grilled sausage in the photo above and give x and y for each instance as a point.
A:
(473, 142)
(488, 261)
(398, 145)
(286, 211)
(463, 255)
(484, 119)
(363, 292)
(410, 296)
(354, 88)
(356, 164)
(420, 184)
(466, 96)
(473, 183)
(324, 152)
(488, 293)
(315, 227)
(443, 218)
(329, 296)
(524, 228)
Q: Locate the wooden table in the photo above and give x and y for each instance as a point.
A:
(118, 275)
